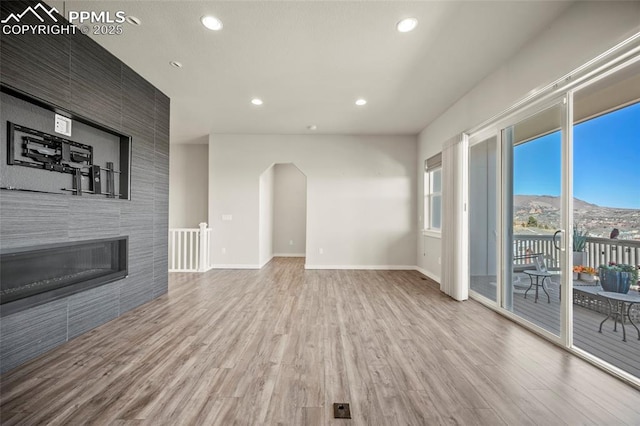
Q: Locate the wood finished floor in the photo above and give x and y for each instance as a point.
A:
(607, 345)
(280, 345)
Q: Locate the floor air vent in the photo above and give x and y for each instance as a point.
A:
(341, 410)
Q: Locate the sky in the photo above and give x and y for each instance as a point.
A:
(606, 163)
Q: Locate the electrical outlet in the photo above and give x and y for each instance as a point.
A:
(290, 242)
(62, 125)
(224, 250)
(439, 261)
(321, 251)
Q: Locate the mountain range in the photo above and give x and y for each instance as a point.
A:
(598, 221)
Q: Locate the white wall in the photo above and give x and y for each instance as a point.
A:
(188, 182)
(265, 215)
(360, 197)
(289, 211)
(584, 31)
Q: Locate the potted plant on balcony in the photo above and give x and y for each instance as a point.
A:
(617, 278)
(588, 274)
(579, 246)
(576, 272)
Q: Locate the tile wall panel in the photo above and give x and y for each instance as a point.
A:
(89, 309)
(136, 290)
(138, 101)
(28, 219)
(94, 218)
(161, 196)
(96, 82)
(43, 72)
(77, 74)
(27, 334)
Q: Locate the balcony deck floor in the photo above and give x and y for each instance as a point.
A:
(607, 345)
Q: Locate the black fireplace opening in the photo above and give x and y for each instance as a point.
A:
(35, 275)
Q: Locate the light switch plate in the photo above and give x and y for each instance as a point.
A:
(227, 217)
(62, 125)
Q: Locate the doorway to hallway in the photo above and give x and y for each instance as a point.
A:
(283, 212)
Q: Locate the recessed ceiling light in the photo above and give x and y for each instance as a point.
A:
(175, 64)
(361, 102)
(406, 25)
(312, 127)
(211, 22)
(256, 101)
(133, 20)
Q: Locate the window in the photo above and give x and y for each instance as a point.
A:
(433, 194)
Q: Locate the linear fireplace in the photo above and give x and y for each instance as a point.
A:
(35, 275)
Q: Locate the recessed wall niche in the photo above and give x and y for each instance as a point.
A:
(94, 161)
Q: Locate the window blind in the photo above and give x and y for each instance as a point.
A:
(433, 162)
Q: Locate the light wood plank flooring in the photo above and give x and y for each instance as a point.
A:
(607, 345)
(280, 345)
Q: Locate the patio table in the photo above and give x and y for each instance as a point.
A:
(620, 300)
(539, 274)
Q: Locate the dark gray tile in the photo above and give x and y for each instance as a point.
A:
(135, 290)
(162, 119)
(160, 276)
(138, 101)
(30, 333)
(142, 165)
(92, 308)
(93, 218)
(30, 219)
(138, 225)
(96, 82)
(161, 168)
(141, 260)
(41, 71)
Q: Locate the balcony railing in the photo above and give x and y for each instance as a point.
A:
(604, 250)
(599, 250)
(190, 249)
(525, 246)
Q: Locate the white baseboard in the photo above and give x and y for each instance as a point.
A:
(318, 267)
(241, 266)
(427, 274)
(364, 267)
(289, 255)
(191, 270)
(265, 262)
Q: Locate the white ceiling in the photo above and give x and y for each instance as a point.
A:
(310, 60)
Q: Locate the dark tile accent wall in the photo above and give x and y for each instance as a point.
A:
(30, 333)
(76, 74)
(37, 64)
(96, 83)
(92, 308)
(161, 197)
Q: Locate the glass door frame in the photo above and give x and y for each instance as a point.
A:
(634, 381)
(475, 139)
(503, 171)
(590, 73)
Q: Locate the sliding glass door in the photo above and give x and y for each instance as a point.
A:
(533, 206)
(554, 209)
(606, 215)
